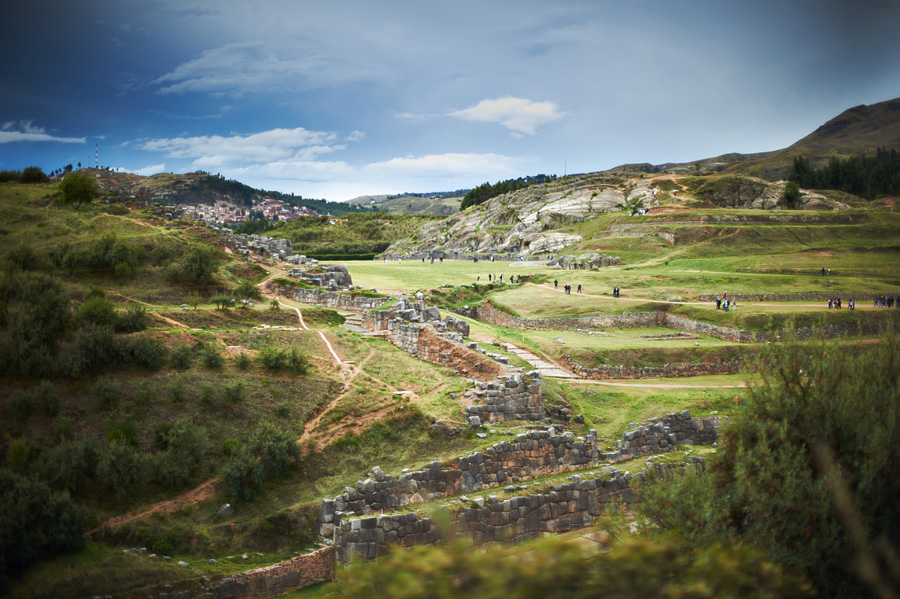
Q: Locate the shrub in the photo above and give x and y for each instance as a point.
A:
(62, 427)
(71, 465)
(198, 266)
(161, 434)
(271, 358)
(98, 311)
(805, 467)
(146, 351)
(182, 357)
(141, 393)
(46, 398)
(208, 394)
(243, 476)
(233, 392)
(242, 361)
(122, 433)
(282, 410)
(211, 355)
(121, 468)
(36, 523)
(182, 461)
(21, 404)
(93, 348)
(107, 394)
(231, 446)
(274, 447)
(177, 389)
(17, 455)
(297, 362)
(133, 319)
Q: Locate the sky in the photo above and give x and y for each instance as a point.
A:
(341, 98)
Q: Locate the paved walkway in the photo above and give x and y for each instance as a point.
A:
(544, 367)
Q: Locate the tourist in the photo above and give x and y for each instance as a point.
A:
(725, 303)
(579, 288)
(555, 284)
(718, 303)
(830, 301)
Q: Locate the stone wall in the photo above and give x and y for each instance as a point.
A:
(532, 454)
(513, 397)
(280, 578)
(789, 297)
(328, 299)
(556, 509)
(488, 313)
(680, 369)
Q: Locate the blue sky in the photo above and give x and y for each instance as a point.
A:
(340, 98)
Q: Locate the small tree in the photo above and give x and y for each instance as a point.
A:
(77, 190)
(194, 299)
(792, 193)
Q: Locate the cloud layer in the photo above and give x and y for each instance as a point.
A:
(516, 114)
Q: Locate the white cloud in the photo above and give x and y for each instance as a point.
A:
(151, 170)
(519, 115)
(12, 131)
(256, 67)
(447, 166)
(356, 136)
(216, 151)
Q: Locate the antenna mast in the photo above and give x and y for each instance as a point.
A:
(96, 155)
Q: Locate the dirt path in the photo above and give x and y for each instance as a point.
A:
(200, 493)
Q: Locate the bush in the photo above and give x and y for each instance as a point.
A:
(122, 468)
(282, 410)
(177, 389)
(98, 311)
(146, 351)
(134, 319)
(231, 446)
(182, 461)
(46, 398)
(208, 394)
(182, 357)
(197, 267)
(71, 465)
(274, 447)
(297, 362)
(36, 523)
(93, 348)
(243, 476)
(21, 404)
(17, 456)
(211, 355)
(807, 465)
(122, 433)
(271, 358)
(106, 394)
(242, 361)
(141, 393)
(233, 392)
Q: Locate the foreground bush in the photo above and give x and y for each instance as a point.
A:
(808, 470)
(36, 523)
(558, 569)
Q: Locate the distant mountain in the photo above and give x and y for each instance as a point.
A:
(858, 130)
(432, 204)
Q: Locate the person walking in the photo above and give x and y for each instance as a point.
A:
(555, 284)
(579, 288)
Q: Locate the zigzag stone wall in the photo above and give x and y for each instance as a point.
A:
(680, 369)
(328, 299)
(559, 508)
(532, 454)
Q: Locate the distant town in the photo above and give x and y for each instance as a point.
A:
(227, 215)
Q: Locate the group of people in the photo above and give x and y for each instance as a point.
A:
(886, 301)
(725, 303)
(492, 278)
(566, 288)
(615, 292)
(836, 303)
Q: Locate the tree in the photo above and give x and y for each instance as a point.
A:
(76, 190)
(792, 193)
(198, 266)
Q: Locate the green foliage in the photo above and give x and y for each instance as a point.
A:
(807, 466)
(274, 447)
(275, 359)
(282, 410)
(21, 404)
(243, 477)
(197, 267)
(211, 355)
(146, 351)
(77, 190)
(182, 461)
(28, 175)
(107, 253)
(107, 394)
(36, 523)
(233, 392)
(864, 176)
(222, 301)
(46, 398)
(177, 389)
(560, 569)
(122, 468)
(247, 290)
(486, 191)
(182, 357)
(122, 433)
(21, 257)
(17, 455)
(98, 311)
(231, 446)
(792, 193)
(71, 465)
(242, 361)
(93, 348)
(133, 319)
